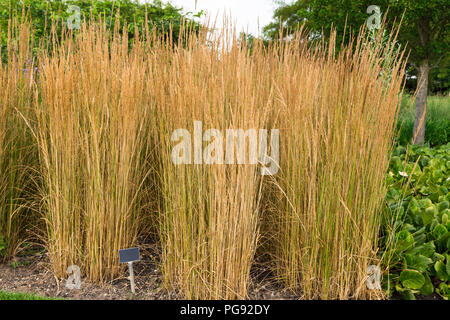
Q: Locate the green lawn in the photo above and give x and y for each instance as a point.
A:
(23, 296)
(437, 127)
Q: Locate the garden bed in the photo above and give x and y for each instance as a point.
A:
(31, 274)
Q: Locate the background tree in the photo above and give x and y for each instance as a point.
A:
(425, 29)
(43, 12)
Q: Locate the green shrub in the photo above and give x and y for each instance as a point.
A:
(43, 12)
(417, 231)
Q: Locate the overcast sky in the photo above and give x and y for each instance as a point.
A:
(246, 13)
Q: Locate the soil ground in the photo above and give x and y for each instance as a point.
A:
(31, 273)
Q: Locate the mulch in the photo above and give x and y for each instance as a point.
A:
(31, 273)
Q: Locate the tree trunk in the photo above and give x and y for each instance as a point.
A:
(421, 103)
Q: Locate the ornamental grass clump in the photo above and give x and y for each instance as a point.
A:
(337, 116)
(90, 130)
(17, 147)
(209, 215)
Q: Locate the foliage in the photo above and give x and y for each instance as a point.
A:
(131, 12)
(417, 228)
(425, 26)
(439, 76)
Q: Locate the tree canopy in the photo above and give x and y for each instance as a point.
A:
(43, 12)
(424, 27)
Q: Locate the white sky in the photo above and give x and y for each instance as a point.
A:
(246, 13)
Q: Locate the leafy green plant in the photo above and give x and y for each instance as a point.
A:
(135, 15)
(417, 245)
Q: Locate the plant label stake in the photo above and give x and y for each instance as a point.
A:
(129, 256)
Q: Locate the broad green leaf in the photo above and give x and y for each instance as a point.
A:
(441, 271)
(405, 240)
(443, 206)
(408, 295)
(443, 241)
(412, 279)
(425, 203)
(428, 215)
(438, 257)
(418, 262)
(428, 288)
(439, 231)
(444, 291)
(444, 219)
(427, 249)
